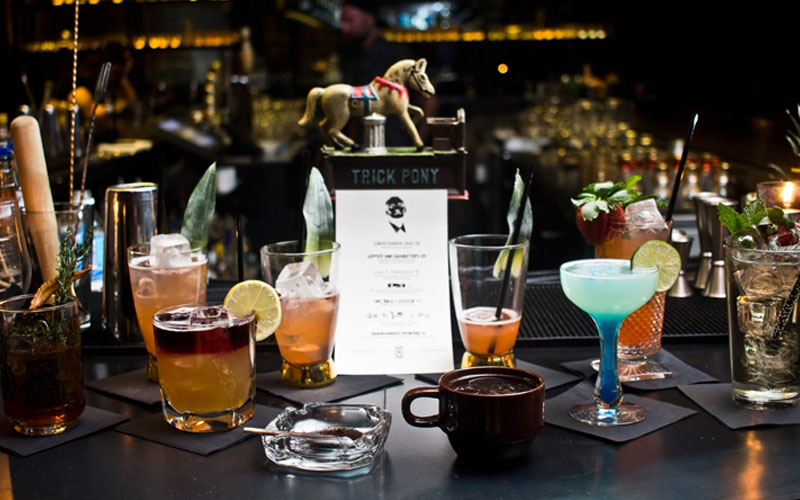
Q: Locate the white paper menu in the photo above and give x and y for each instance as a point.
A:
(394, 310)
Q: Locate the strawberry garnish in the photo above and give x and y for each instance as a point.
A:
(601, 214)
(604, 227)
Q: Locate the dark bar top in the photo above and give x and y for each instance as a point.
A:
(695, 458)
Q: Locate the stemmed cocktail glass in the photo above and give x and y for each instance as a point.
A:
(608, 290)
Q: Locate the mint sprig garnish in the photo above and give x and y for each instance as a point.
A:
(602, 196)
(754, 214)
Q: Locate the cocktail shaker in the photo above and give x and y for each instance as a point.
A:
(704, 236)
(130, 219)
(682, 243)
(715, 287)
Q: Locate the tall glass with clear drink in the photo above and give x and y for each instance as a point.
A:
(164, 272)
(640, 334)
(478, 272)
(206, 366)
(764, 346)
(308, 285)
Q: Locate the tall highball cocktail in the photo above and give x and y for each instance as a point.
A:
(164, 272)
(307, 282)
(608, 290)
(640, 334)
(477, 269)
(762, 265)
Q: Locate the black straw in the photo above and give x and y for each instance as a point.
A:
(305, 161)
(514, 237)
(786, 309)
(678, 176)
(239, 247)
(100, 88)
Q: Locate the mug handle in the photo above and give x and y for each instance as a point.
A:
(410, 396)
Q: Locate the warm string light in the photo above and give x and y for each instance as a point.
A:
(513, 32)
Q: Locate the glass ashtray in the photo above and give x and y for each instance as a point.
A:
(328, 436)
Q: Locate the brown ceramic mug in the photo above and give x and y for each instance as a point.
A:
(487, 412)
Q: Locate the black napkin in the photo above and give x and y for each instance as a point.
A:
(716, 399)
(682, 373)
(155, 428)
(132, 386)
(552, 378)
(90, 421)
(659, 414)
(345, 386)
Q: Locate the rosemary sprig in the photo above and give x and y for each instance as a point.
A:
(68, 259)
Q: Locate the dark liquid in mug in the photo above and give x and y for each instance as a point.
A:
(493, 385)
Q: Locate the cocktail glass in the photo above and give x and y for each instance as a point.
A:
(79, 222)
(156, 286)
(608, 290)
(40, 363)
(765, 353)
(640, 335)
(206, 366)
(477, 270)
(309, 288)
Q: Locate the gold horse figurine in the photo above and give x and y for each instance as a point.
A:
(387, 96)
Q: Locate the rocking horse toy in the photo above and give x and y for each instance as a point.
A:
(386, 96)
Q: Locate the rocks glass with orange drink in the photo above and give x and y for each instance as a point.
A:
(164, 272)
(640, 334)
(206, 366)
(307, 282)
(477, 269)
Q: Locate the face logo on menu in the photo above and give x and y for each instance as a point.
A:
(396, 210)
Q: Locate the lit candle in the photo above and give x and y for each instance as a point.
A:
(788, 199)
(787, 195)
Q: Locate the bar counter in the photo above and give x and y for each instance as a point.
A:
(697, 457)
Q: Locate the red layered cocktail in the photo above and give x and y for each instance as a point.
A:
(206, 366)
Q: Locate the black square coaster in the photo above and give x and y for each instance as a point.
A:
(155, 428)
(345, 386)
(552, 378)
(659, 414)
(91, 420)
(132, 386)
(682, 373)
(716, 399)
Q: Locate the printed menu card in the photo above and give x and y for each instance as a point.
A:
(394, 311)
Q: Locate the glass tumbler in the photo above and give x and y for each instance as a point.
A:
(478, 267)
(764, 326)
(308, 283)
(40, 363)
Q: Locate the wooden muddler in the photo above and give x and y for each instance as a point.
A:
(36, 192)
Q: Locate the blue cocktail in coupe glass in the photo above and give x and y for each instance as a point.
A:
(608, 290)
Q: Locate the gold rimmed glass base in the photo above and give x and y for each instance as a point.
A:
(469, 359)
(152, 368)
(305, 376)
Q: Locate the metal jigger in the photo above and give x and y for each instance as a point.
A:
(715, 288)
(130, 219)
(682, 242)
(704, 235)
